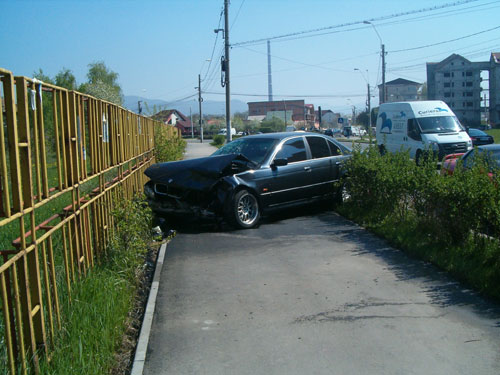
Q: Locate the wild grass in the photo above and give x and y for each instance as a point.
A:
(95, 321)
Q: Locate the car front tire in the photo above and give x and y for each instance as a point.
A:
(245, 210)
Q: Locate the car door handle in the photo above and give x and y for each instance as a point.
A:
(307, 169)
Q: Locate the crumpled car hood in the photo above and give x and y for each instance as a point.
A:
(195, 174)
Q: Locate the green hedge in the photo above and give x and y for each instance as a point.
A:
(453, 221)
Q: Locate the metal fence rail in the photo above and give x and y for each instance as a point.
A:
(63, 157)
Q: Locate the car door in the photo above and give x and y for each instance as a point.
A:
(290, 183)
(321, 165)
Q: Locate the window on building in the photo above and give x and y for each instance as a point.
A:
(463, 74)
(470, 104)
(469, 93)
(468, 74)
(463, 84)
(469, 84)
(447, 84)
(452, 74)
(447, 94)
(453, 84)
(447, 74)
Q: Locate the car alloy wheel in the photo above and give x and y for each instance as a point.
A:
(246, 209)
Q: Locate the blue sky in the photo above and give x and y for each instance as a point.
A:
(159, 47)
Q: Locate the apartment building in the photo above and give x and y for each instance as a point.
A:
(400, 90)
(457, 81)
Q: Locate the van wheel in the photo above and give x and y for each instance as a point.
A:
(418, 157)
(381, 149)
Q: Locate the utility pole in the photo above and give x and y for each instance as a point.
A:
(368, 105)
(226, 59)
(383, 74)
(200, 99)
(191, 117)
(269, 74)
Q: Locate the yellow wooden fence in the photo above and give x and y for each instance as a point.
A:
(63, 157)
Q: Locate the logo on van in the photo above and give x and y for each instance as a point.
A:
(386, 124)
(435, 110)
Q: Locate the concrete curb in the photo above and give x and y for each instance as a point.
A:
(142, 343)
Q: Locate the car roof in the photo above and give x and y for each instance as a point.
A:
(283, 135)
(492, 147)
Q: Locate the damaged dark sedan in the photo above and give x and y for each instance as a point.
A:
(249, 177)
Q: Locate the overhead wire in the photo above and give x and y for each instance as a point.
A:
(375, 19)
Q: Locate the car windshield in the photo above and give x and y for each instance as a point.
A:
(491, 157)
(477, 133)
(439, 124)
(254, 149)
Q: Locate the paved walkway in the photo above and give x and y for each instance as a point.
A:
(196, 149)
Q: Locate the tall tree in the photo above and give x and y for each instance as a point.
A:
(102, 83)
(40, 75)
(65, 78)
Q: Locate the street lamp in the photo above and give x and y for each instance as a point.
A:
(368, 102)
(382, 46)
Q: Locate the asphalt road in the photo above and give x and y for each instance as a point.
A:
(312, 294)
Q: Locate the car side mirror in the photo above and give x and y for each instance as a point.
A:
(279, 163)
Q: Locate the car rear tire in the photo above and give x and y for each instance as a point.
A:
(245, 210)
(342, 195)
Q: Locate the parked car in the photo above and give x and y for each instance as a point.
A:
(484, 127)
(492, 153)
(332, 132)
(479, 137)
(249, 177)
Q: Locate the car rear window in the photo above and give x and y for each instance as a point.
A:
(319, 147)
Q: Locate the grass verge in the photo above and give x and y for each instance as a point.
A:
(103, 312)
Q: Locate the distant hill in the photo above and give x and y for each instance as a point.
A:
(210, 107)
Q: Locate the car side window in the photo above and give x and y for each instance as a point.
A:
(292, 150)
(319, 147)
(334, 149)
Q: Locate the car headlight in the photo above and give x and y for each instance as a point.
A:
(434, 146)
(148, 191)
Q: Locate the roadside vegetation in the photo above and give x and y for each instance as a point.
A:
(218, 140)
(168, 148)
(451, 221)
(104, 302)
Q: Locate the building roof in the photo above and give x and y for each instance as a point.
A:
(453, 56)
(166, 116)
(495, 57)
(401, 81)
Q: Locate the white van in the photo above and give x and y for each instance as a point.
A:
(223, 131)
(420, 126)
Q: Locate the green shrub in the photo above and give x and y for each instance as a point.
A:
(218, 140)
(453, 221)
(168, 148)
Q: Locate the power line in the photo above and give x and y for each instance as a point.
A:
(299, 62)
(237, 14)
(292, 96)
(382, 18)
(215, 44)
(446, 41)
